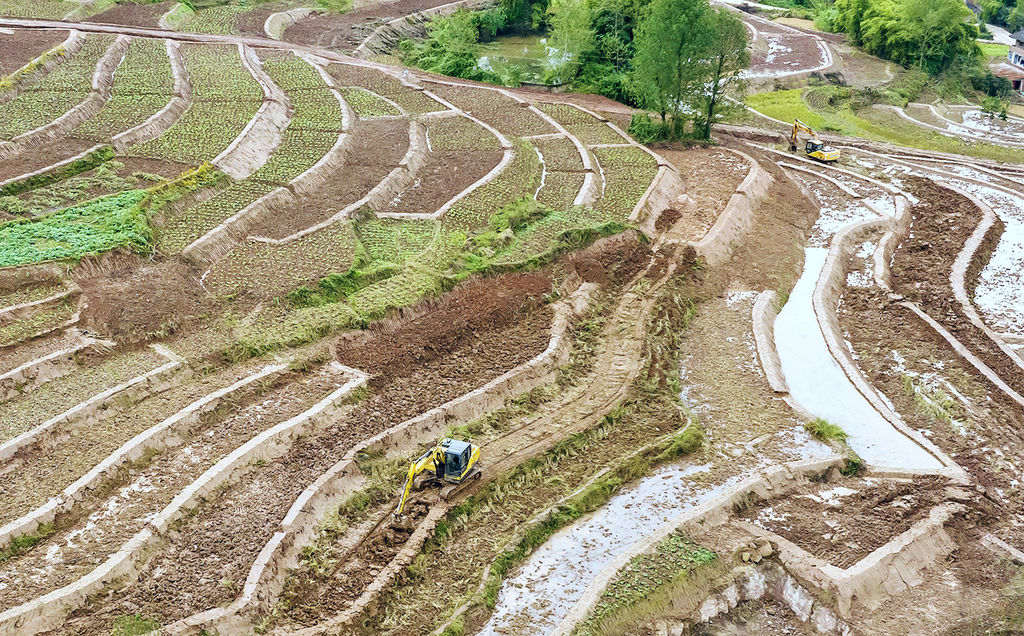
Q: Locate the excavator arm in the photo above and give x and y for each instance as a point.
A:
(799, 126)
(427, 461)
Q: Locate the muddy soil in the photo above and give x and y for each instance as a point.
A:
(844, 520)
(751, 618)
(131, 299)
(42, 157)
(22, 46)
(942, 223)
(220, 543)
(309, 596)
(711, 176)
(114, 515)
(347, 31)
(14, 356)
(376, 148)
(133, 14)
(444, 175)
(981, 429)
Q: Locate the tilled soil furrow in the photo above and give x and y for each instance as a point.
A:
(210, 557)
(88, 541)
(942, 223)
(57, 396)
(42, 475)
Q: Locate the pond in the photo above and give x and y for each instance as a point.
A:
(504, 55)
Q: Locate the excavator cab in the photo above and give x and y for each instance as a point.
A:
(456, 459)
(449, 465)
(815, 148)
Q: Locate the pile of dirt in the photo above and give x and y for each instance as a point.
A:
(435, 327)
(943, 221)
(843, 521)
(132, 14)
(133, 300)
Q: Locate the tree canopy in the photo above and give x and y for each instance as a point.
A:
(930, 35)
(685, 53)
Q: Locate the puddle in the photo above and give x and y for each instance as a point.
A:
(818, 382)
(540, 595)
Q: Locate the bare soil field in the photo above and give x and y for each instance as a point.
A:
(133, 14)
(347, 31)
(20, 47)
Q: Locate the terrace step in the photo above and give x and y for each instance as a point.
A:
(97, 458)
(72, 552)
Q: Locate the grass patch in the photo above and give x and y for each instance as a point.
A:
(826, 431)
(990, 49)
(650, 581)
(134, 625)
(25, 542)
(119, 220)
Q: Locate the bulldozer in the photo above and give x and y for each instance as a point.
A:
(449, 465)
(815, 148)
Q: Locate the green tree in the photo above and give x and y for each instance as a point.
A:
(726, 56)
(671, 38)
(937, 32)
(572, 36)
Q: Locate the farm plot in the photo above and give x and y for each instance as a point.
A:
(111, 177)
(268, 270)
(180, 229)
(142, 86)
(59, 91)
(217, 20)
(461, 153)
(559, 154)
(584, 127)
(560, 189)
(14, 357)
(520, 177)
(29, 293)
(117, 516)
(92, 377)
(375, 149)
(222, 540)
(491, 107)
(395, 241)
(42, 475)
(413, 101)
(225, 97)
(40, 322)
(21, 46)
(41, 9)
(368, 104)
(628, 172)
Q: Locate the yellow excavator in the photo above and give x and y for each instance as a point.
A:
(815, 148)
(451, 464)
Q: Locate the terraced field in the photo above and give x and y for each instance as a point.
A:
(244, 282)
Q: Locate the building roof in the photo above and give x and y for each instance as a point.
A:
(1009, 71)
(1019, 36)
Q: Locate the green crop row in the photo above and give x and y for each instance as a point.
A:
(414, 102)
(489, 106)
(58, 92)
(395, 241)
(121, 113)
(145, 69)
(202, 133)
(299, 150)
(218, 75)
(560, 189)
(40, 321)
(367, 104)
(118, 220)
(97, 226)
(220, 20)
(291, 72)
(559, 154)
(40, 9)
(565, 114)
(460, 133)
(181, 230)
(628, 172)
(273, 270)
(521, 176)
